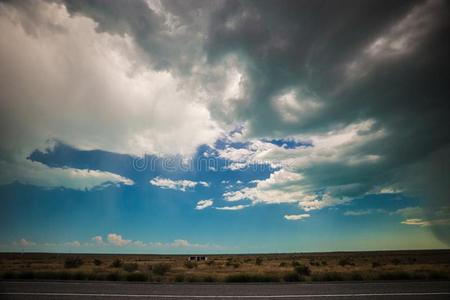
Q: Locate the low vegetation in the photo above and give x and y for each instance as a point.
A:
(73, 262)
(406, 265)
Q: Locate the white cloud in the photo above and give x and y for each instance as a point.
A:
(36, 173)
(97, 92)
(293, 182)
(117, 240)
(423, 223)
(74, 244)
(24, 243)
(181, 185)
(294, 106)
(98, 239)
(235, 207)
(202, 204)
(296, 217)
(414, 212)
(364, 212)
(417, 222)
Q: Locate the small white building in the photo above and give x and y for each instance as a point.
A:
(198, 258)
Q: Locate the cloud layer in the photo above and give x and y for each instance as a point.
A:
(366, 110)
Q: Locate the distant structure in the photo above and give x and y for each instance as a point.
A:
(198, 258)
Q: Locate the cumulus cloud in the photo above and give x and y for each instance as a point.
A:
(234, 207)
(98, 239)
(296, 217)
(93, 79)
(202, 204)
(24, 243)
(181, 185)
(117, 240)
(38, 174)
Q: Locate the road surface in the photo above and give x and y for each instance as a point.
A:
(118, 290)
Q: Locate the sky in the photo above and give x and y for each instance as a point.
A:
(194, 126)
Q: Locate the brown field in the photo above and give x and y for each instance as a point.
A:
(380, 265)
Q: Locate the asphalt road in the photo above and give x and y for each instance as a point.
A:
(116, 290)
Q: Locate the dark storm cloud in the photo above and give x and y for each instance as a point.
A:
(168, 43)
(403, 87)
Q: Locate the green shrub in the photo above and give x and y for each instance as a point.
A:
(80, 276)
(295, 263)
(95, 276)
(97, 262)
(161, 269)
(376, 264)
(209, 278)
(242, 277)
(72, 262)
(115, 276)
(302, 270)
(192, 278)
(394, 275)
(438, 275)
(258, 261)
(356, 276)
(345, 262)
(63, 275)
(26, 275)
(137, 276)
(9, 275)
(292, 277)
(328, 276)
(130, 267)
(117, 263)
(190, 264)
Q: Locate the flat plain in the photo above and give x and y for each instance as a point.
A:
(289, 267)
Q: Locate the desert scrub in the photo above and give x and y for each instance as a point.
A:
(394, 275)
(258, 261)
(209, 278)
(248, 277)
(161, 269)
(302, 270)
(190, 264)
(293, 277)
(97, 262)
(137, 276)
(376, 264)
(72, 262)
(345, 262)
(179, 278)
(117, 263)
(130, 267)
(327, 276)
(115, 276)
